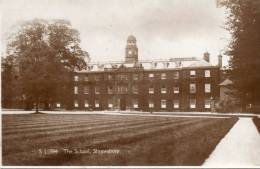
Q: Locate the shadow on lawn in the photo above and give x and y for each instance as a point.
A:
(257, 123)
(182, 146)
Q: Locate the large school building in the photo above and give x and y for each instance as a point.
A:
(175, 84)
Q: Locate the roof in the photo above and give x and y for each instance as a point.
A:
(226, 82)
(172, 63)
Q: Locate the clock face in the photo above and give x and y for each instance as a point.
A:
(129, 52)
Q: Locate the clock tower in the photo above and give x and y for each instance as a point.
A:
(131, 50)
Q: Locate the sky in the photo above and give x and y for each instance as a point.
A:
(163, 28)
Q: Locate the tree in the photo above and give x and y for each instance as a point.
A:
(6, 77)
(243, 22)
(46, 52)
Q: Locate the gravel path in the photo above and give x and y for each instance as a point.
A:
(240, 147)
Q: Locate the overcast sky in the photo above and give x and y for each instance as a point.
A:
(163, 28)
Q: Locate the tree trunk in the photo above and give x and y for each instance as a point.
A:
(243, 101)
(46, 105)
(37, 105)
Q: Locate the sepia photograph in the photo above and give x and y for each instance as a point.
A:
(130, 83)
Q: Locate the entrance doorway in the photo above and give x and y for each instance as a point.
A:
(122, 103)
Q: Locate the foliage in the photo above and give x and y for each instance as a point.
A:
(243, 22)
(46, 52)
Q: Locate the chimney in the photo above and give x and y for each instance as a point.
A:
(206, 56)
(220, 60)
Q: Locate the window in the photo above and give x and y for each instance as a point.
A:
(96, 103)
(76, 78)
(76, 103)
(86, 104)
(163, 90)
(207, 73)
(192, 73)
(154, 64)
(97, 77)
(97, 90)
(207, 88)
(135, 103)
(151, 90)
(110, 103)
(163, 76)
(109, 77)
(192, 103)
(110, 90)
(176, 90)
(176, 104)
(86, 90)
(86, 78)
(176, 75)
(207, 103)
(122, 89)
(151, 75)
(135, 76)
(76, 90)
(58, 105)
(163, 104)
(122, 77)
(192, 88)
(151, 104)
(135, 89)
(166, 64)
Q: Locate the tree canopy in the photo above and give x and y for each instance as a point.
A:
(243, 22)
(46, 52)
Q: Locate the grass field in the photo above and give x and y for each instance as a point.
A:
(109, 139)
(257, 123)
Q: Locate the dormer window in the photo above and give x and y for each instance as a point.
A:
(178, 63)
(166, 64)
(154, 64)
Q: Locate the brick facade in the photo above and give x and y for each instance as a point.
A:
(176, 84)
(138, 89)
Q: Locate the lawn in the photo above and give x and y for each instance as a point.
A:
(257, 123)
(110, 139)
